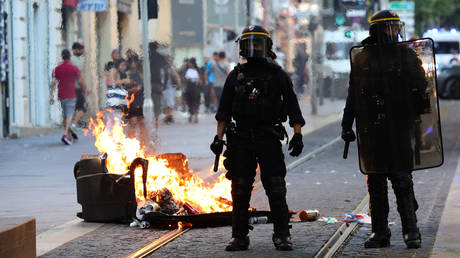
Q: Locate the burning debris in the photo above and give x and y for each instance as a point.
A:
(125, 183)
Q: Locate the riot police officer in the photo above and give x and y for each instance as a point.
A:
(386, 95)
(259, 96)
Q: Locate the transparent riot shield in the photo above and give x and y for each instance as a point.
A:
(396, 106)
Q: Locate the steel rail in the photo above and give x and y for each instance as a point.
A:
(158, 243)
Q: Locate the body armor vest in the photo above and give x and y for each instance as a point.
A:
(257, 100)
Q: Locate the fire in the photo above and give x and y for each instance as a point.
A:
(121, 151)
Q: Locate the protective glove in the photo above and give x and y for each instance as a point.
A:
(348, 135)
(296, 145)
(217, 145)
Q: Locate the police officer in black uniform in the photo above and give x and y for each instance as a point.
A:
(400, 79)
(259, 96)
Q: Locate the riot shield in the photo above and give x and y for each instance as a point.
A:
(396, 106)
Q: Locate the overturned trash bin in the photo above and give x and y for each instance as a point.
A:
(104, 197)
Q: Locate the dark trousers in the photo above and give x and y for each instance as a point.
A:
(206, 90)
(245, 153)
(192, 96)
(405, 198)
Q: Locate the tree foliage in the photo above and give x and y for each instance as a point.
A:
(436, 13)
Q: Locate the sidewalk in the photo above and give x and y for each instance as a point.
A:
(447, 242)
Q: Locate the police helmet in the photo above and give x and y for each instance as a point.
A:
(255, 42)
(386, 27)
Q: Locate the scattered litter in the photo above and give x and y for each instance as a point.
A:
(318, 183)
(308, 215)
(359, 218)
(258, 220)
(333, 171)
(346, 182)
(347, 201)
(354, 175)
(420, 182)
(391, 223)
(307, 172)
(329, 220)
(288, 184)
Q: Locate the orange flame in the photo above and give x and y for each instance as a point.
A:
(121, 151)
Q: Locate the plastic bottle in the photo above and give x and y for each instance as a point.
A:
(258, 220)
(308, 215)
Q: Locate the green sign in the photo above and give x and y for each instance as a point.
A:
(402, 6)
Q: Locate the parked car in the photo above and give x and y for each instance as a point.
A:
(449, 81)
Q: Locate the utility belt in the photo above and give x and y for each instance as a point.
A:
(277, 130)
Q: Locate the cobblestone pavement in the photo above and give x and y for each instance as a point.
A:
(431, 189)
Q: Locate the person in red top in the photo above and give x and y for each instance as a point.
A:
(65, 75)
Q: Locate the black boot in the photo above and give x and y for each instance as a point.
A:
(378, 207)
(241, 194)
(238, 244)
(407, 206)
(282, 243)
(275, 188)
(378, 240)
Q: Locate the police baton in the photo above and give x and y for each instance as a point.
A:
(345, 149)
(216, 162)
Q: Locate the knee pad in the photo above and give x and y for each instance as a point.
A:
(274, 185)
(241, 186)
(402, 185)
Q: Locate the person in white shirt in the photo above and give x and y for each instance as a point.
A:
(192, 90)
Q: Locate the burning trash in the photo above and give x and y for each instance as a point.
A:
(124, 184)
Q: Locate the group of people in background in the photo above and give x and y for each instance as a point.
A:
(208, 81)
(171, 89)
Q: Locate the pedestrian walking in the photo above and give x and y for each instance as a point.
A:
(78, 60)
(388, 96)
(221, 69)
(157, 62)
(64, 76)
(192, 91)
(300, 62)
(259, 96)
(134, 108)
(209, 94)
(169, 93)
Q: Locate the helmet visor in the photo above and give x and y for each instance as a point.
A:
(253, 46)
(390, 32)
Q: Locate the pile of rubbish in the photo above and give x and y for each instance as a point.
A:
(161, 203)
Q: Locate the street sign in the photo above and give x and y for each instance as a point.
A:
(402, 6)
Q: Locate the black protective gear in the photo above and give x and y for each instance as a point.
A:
(296, 145)
(275, 188)
(348, 135)
(386, 27)
(282, 243)
(256, 101)
(379, 208)
(217, 145)
(255, 42)
(241, 195)
(378, 240)
(238, 244)
(407, 206)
